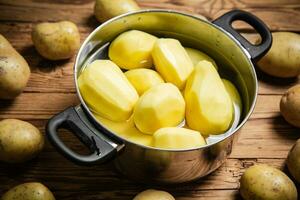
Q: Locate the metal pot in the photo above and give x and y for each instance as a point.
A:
(231, 51)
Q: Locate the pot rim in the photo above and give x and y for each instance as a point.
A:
(92, 117)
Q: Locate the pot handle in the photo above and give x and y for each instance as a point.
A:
(69, 119)
(256, 51)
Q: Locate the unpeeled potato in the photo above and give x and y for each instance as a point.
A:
(293, 161)
(14, 71)
(283, 59)
(29, 191)
(151, 194)
(290, 106)
(56, 41)
(106, 9)
(262, 182)
(20, 141)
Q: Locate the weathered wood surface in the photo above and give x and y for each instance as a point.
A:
(265, 138)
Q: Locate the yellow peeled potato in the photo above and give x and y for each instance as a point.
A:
(107, 91)
(233, 93)
(161, 106)
(177, 138)
(197, 56)
(283, 59)
(209, 108)
(172, 61)
(132, 49)
(143, 79)
(107, 9)
(126, 130)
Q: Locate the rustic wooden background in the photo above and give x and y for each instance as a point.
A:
(266, 138)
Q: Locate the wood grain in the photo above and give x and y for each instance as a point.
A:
(265, 138)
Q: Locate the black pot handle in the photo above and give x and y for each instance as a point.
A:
(69, 119)
(256, 51)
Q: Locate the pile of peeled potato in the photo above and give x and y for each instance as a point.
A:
(148, 93)
(162, 85)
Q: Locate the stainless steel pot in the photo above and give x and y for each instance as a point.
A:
(234, 56)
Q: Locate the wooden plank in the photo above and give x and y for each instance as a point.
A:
(37, 106)
(275, 18)
(81, 182)
(265, 138)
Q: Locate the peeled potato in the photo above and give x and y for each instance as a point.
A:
(127, 130)
(197, 56)
(14, 71)
(290, 106)
(161, 106)
(143, 79)
(262, 182)
(209, 108)
(56, 41)
(106, 9)
(151, 194)
(283, 59)
(132, 49)
(177, 138)
(233, 93)
(172, 61)
(107, 91)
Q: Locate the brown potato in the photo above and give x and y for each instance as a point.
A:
(153, 195)
(290, 106)
(56, 41)
(283, 59)
(14, 71)
(293, 161)
(19, 141)
(28, 191)
(106, 9)
(262, 182)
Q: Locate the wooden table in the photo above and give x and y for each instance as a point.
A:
(266, 137)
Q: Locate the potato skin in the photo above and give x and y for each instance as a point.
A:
(56, 41)
(283, 59)
(262, 182)
(107, 9)
(12, 65)
(19, 141)
(293, 161)
(29, 191)
(290, 106)
(151, 194)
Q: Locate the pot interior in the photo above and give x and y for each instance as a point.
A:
(233, 61)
